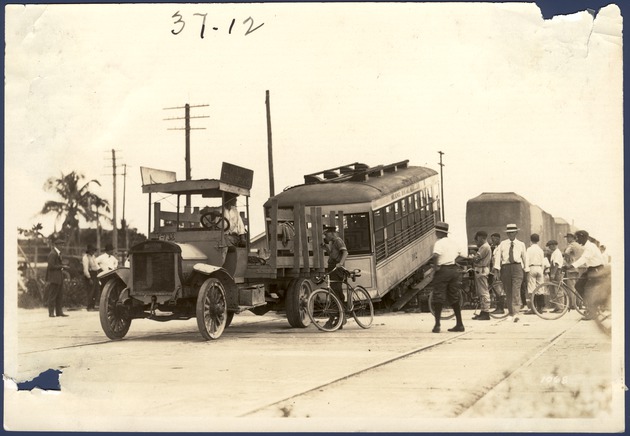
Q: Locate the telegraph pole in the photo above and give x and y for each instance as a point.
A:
(442, 184)
(187, 128)
(123, 222)
(269, 147)
(115, 231)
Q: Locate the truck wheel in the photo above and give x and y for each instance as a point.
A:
(212, 312)
(296, 301)
(115, 319)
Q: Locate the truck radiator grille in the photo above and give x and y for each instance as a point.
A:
(153, 273)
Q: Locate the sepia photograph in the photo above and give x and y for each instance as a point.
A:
(314, 217)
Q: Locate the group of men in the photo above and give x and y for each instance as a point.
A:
(514, 264)
(91, 266)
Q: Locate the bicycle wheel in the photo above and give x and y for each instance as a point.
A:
(497, 290)
(555, 301)
(362, 308)
(325, 310)
(580, 305)
(447, 310)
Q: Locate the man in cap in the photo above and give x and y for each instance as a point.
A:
(535, 258)
(481, 267)
(571, 254)
(511, 262)
(107, 261)
(337, 252)
(447, 280)
(495, 240)
(54, 277)
(594, 284)
(90, 271)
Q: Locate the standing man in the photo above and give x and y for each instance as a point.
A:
(481, 266)
(447, 280)
(556, 260)
(511, 261)
(337, 254)
(107, 261)
(90, 271)
(495, 240)
(572, 253)
(535, 257)
(54, 277)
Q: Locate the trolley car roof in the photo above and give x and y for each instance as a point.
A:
(352, 192)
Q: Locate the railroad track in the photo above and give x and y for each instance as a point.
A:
(445, 342)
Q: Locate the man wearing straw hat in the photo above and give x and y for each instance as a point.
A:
(511, 261)
(447, 280)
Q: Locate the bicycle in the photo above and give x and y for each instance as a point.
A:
(597, 307)
(327, 312)
(468, 298)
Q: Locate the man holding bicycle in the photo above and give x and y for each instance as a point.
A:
(481, 266)
(594, 284)
(337, 254)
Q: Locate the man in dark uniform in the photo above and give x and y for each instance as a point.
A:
(54, 277)
(337, 253)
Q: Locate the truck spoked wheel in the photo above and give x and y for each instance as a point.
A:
(212, 313)
(115, 319)
(296, 301)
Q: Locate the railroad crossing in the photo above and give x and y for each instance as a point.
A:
(265, 375)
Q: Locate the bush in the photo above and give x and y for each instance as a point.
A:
(74, 294)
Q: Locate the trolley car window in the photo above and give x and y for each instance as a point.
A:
(357, 233)
(402, 222)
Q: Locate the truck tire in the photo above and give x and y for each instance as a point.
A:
(115, 319)
(296, 300)
(212, 312)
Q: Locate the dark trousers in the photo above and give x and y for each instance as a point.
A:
(55, 296)
(446, 284)
(336, 278)
(92, 290)
(512, 278)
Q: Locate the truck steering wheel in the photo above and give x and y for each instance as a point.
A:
(214, 221)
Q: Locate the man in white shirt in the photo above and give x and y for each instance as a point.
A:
(556, 260)
(447, 280)
(594, 284)
(90, 271)
(571, 254)
(235, 234)
(107, 261)
(535, 257)
(512, 262)
(481, 266)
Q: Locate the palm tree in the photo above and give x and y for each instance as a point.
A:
(76, 201)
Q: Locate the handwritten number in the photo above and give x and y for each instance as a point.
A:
(179, 20)
(232, 25)
(203, 24)
(251, 24)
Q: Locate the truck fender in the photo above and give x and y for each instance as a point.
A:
(122, 273)
(227, 280)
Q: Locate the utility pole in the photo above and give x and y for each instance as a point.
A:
(442, 185)
(187, 128)
(123, 222)
(269, 147)
(115, 231)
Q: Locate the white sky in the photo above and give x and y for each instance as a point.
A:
(517, 103)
